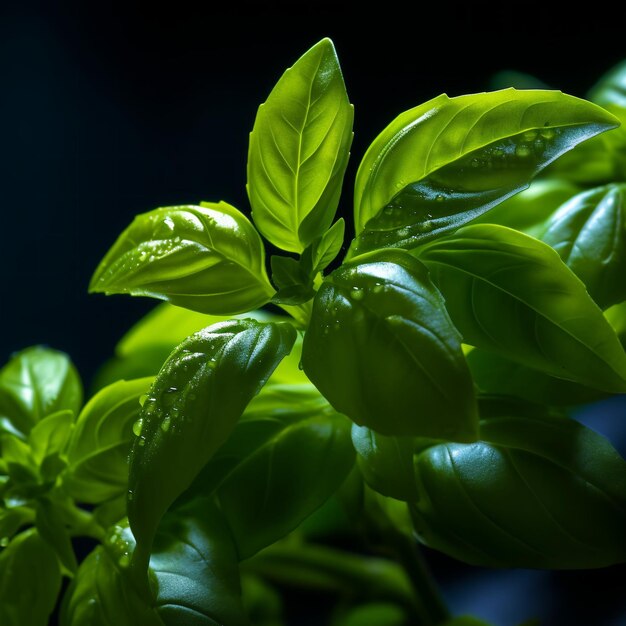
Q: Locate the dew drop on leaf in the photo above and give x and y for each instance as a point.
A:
(137, 426)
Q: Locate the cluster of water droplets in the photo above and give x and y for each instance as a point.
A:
(119, 546)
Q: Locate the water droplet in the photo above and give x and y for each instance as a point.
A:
(539, 145)
(142, 441)
(475, 163)
(336, 325)
(166, 423)
(137, 426)
(300, 365)
(151, 258)
(529, 135)
(149, 405)
(439, 198)
(124, 561)
(143, 256)
(4, 542)
(142, 399)
(357, 293)
(523, 150)
(548, 133)
(212, 362)
(498, 152)
(377, 288)
(325, 330)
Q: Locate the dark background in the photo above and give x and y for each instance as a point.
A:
(107, 111)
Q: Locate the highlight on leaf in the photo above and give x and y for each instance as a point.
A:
(206, 258)
(445, 162)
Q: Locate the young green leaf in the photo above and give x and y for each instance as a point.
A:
(195, 564)
(50, 435)
(445, 162)
(511, 294)
(37, 382)
(538, 492)
(589, 233)
(383, 351)
(289, 454)
(299, 151)
(193, 406)
(323, 250)
(294, 284)
(386, 463)
(100, 444)
(100, 595)
(206, 258)
(30, 581)
(50, 524)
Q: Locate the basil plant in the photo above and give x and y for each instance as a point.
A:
(412, 384)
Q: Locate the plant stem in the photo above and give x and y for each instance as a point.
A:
(403, 547)
(424, 586)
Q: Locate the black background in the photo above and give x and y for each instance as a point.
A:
(110, 110)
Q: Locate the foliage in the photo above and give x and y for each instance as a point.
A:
(417, 387)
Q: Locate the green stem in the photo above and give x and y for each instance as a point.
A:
(300, 312)
(425, 588)
(405, 550)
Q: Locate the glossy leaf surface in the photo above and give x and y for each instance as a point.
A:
(511, 294)
(100, 595)
(445, 162)
(299, 150)
(539, 492)
(287, 456)
(382, 350)
(37, 382)
(30, 580)
(589, 233)
(206, 258)
(193, 406)
(195, 565)
(386, 463)
(101, 442)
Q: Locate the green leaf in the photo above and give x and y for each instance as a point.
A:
(262, 602)
(206, 258)
(287, 456)
(382, 350)
(511, 294)
(386, 463)
(12, 520)
(194, 404)
(445, 162)
(528, 210)
(143, 349)
(589, 233)
(100, 595)
(294, 285)
(325, 248)
(536, 492)
(51, 525)
(616, 316)
(30, 581)
(495, 374)
(299, 150)
(100, 444)
(603, 159)
(195, 564)
(379, 613)
(35, 383)
(49, 436)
